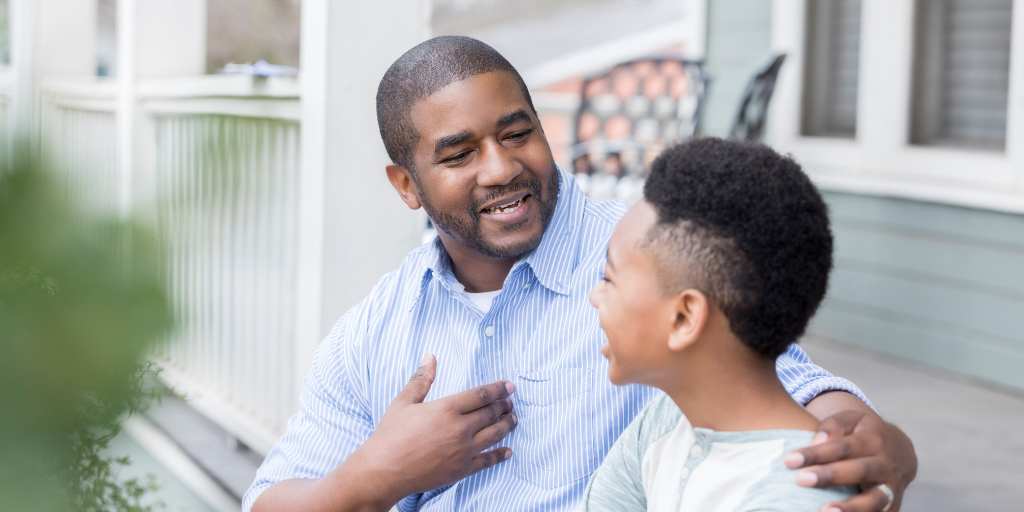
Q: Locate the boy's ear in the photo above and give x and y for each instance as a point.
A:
(401, 179)
(692, 310)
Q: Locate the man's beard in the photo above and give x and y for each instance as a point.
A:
(467, 229)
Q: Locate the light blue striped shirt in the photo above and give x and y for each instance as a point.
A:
(541, 333)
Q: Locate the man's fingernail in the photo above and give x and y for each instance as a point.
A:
(807, 478)
(507, 454)
(511, 388)
(515, 420)
(794, 460)
(819, 438)
(425, 359)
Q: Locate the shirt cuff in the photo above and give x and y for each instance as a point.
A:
(816, 387)
(252, 495)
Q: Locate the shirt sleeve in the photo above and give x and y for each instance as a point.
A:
(617, 485)
(805, 380)
(330, 424)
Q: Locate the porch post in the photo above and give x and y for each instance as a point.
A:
(353, 226)
(155, 39)
(49, 39)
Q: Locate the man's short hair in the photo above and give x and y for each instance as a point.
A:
(751, 229)
(422, 71)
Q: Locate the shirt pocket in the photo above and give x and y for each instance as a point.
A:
(555, 443)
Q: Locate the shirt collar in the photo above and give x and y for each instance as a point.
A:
(552, 262)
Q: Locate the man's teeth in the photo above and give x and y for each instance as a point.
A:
(505, 208)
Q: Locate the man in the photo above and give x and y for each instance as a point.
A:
(508, 407)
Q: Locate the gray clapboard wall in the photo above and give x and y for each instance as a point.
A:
(933, 283)
(738, 44)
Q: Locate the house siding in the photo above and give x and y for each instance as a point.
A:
(937, 284)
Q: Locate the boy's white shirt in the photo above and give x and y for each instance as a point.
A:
(720, 483)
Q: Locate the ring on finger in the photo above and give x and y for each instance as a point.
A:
(890, 496)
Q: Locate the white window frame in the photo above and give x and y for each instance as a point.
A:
(880, 160)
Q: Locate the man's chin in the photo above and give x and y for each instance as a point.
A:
(507, 247)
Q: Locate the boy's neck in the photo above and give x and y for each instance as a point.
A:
(722, 385)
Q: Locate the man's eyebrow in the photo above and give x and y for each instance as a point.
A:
(451, 140)
(513, 117)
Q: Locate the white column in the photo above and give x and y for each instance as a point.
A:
(126, 27)
(353, 226)
(170, 38)
(155, 39)
(49, 39)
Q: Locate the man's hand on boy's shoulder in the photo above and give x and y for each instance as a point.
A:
(856, 447)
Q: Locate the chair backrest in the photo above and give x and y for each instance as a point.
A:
(753, 111)
(636, 108)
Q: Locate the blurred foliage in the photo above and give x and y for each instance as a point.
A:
(82, 302)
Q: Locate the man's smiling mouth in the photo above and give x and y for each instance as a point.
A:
(505, 205)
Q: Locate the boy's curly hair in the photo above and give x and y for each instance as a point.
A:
(745, 226)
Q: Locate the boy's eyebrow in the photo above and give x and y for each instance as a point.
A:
(608, 257)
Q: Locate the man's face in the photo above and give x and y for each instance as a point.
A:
(635, 313)
(484, 171)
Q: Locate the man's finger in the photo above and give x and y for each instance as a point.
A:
(488, 459)
(871, 500)
(864, 471)
(490, 435)
(484, 417)
(481, 396)
(848, 447)
(419, 384)
(840, 424)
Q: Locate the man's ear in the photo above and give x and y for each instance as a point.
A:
(401, 179)
(692, 310)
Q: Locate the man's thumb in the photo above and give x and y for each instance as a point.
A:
(419, 385)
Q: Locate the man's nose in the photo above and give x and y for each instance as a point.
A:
(499, 167)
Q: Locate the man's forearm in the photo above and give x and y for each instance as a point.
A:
(833, 402)
(346, 489)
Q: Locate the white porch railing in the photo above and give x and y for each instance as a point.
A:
(77, 122)
(219, 156)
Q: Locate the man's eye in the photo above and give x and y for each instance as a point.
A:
(518, 136)
(455, 159)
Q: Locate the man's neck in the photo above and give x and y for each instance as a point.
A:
(476, 272)
(725, 386)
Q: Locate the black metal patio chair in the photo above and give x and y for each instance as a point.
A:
(753, 111)
(631, 111)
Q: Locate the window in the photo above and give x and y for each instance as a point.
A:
(962, 73)
(832, 68)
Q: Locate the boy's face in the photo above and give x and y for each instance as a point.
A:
(635, 313)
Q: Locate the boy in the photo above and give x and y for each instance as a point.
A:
(708, 279)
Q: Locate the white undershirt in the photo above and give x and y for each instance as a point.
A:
(483, 300)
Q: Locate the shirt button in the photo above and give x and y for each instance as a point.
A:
(696, 451)
(526, 285)
(489, 331)
(684, 474)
